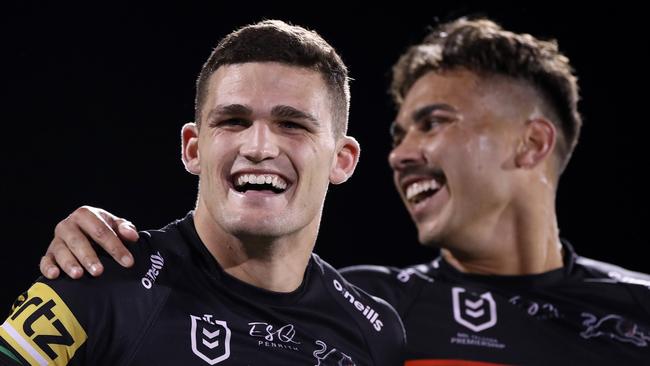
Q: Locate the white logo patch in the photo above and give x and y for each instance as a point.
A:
(274, 337)
(157, 263)
(614, 327)
(474, 312)
(214, 336)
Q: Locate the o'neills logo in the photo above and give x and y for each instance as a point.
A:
(367, 311)
(157, 262)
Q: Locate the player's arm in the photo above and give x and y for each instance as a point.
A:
(43, 329)
(71, 248)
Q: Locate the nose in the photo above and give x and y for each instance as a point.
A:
(259, 143)
(408, 153)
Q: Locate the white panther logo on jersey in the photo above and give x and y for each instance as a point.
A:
(331, 357)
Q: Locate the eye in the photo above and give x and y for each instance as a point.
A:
(291, 125)
(396, 134)
(230, 123)
(396, 139)
(431, 122)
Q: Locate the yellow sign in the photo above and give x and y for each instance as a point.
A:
(43, 329)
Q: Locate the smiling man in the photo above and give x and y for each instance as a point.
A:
(487, 123)
(235, 281)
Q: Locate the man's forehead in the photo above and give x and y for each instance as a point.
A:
(266, 85)
(462, 90)
(272, 72)
(444, 84)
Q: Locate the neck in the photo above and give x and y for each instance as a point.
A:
(524, 258)
(276, 264)
(522, 239)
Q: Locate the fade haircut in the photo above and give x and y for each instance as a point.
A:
(484, 47)
(277, 41)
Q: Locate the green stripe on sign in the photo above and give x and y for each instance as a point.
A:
(9, 354)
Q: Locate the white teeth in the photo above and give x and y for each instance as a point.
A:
(272, 179)
(418, 187)
(241, 181)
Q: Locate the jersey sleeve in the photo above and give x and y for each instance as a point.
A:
(43, 329)
(87, 321)
(378, 322)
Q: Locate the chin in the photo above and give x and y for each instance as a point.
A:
(259, 229)
(253, 226)
(430, 237)
(429, 242)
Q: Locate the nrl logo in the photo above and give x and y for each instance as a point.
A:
(474, 312)
(210, 339)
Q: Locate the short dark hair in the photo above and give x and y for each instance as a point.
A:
(484, 47)
(277, 41)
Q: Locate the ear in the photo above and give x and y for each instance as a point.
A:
(347, 157)
(190, 148)
(538, 142)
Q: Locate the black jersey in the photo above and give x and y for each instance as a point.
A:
(177, 306)
(586, 313)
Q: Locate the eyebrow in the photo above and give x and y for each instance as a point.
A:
(419, 115)
(423, 112)
(230, 109)
(285, 111)
(279, 111)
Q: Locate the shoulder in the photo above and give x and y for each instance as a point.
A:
(372, 274)
(617, 283)
(375, 316)
(66, 321)
(598, 270)
(396, 285)
(159, 255)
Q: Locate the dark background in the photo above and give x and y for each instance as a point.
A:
(95, 98)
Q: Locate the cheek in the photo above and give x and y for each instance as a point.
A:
(472, 165)
(206, 158)
(485, 178)
(215, 158)
(481, 152)
(317, 158)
